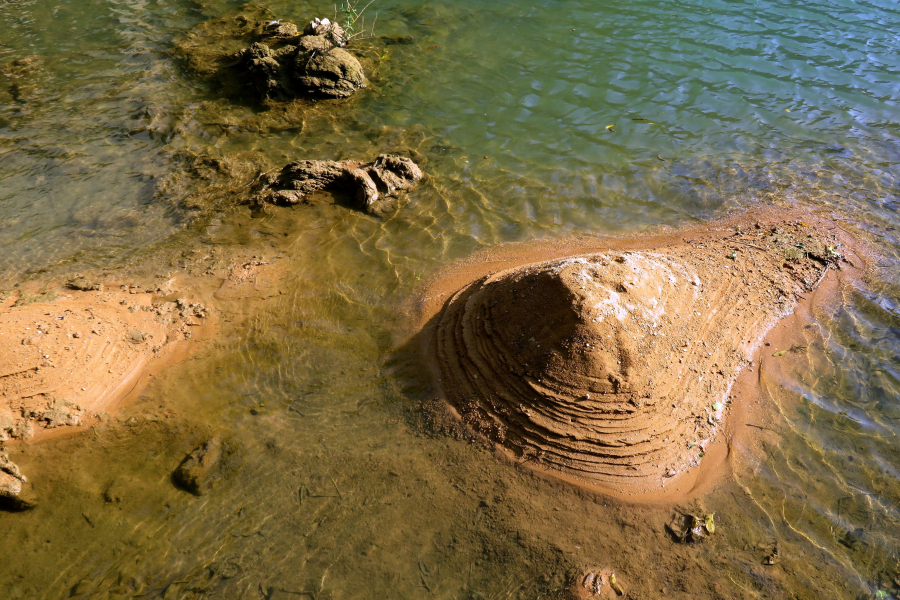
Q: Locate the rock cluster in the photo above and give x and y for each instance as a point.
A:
(368, 183)
(313, 63)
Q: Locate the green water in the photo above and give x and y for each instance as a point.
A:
(508, 104)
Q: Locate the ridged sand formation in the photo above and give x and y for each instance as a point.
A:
(64, 361)
(614, 368)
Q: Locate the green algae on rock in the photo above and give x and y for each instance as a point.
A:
(276, 59)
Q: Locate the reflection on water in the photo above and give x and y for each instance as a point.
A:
(342, 494)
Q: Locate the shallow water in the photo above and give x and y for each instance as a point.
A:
(509, 105)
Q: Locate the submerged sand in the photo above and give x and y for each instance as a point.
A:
(614, 369)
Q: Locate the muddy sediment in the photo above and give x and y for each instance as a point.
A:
(613, 369)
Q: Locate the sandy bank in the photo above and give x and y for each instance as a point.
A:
(66, 361)
(611, 363)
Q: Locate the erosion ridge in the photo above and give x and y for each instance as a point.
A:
(613, 369)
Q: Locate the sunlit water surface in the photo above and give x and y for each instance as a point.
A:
(534, 120)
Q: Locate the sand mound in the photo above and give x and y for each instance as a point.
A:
(614, 368)
(64, 361)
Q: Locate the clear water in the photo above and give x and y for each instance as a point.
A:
(509, 105)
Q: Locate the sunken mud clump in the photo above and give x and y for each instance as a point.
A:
(612, 369)
(65, 361)
(368, 184)
(278, 61)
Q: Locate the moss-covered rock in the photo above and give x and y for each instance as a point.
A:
(272, 58)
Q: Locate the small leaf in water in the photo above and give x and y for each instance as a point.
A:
(780, 353)
(709, 523)
(611, 128)
(717, 406)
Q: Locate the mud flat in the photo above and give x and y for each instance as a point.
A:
(611, 363)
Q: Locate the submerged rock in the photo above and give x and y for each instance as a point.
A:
(280, 62)
(10, 468)
(11, 480)
(203, 468)
(193, 474)
(367, 183)
(23, 79)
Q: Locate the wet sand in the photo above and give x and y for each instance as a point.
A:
(611, 363)
(68, 361)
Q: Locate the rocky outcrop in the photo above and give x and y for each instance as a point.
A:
(313, 63)
(368, 184)
(82, 353)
